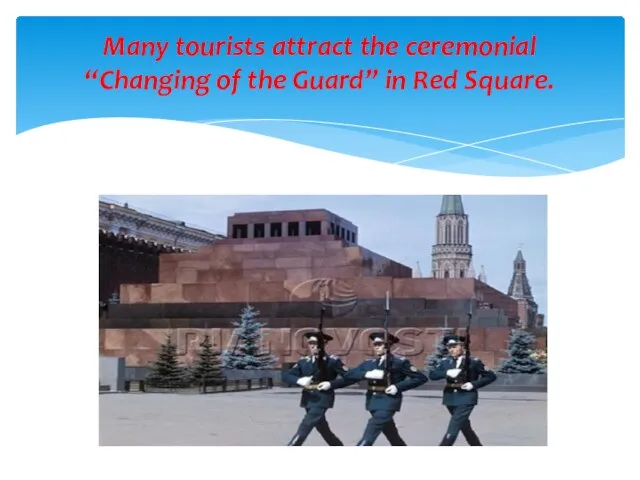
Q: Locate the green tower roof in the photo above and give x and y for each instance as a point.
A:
(451, 205)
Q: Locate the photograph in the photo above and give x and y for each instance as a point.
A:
(323, 320)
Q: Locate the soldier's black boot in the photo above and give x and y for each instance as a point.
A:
(327, 435)
(296, 441)
(397, 442)
(300, 436)
(471, 438)
(448, 440)
(469, 435)
(391, 432)
(330, 437)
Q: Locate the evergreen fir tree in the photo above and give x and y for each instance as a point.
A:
(245, 354)
(521, 360)
(167, 372)
(207, 370)
(432, 361)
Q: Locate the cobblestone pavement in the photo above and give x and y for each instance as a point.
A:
(271, 417)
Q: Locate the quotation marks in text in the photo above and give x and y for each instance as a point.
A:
(255, 80)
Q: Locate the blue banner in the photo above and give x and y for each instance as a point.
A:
(499, 96)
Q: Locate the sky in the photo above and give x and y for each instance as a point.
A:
(401, 228)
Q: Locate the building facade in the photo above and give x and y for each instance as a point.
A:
(319, 223)
(130, 244)
(125, 259)
(129, 222)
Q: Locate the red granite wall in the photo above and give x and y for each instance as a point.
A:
(139, 347)
(288, 290)
(276, 270)
(287, 269)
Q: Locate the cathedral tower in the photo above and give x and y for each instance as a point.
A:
(451, 255)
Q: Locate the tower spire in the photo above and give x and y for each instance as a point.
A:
(451, 205)
(519, 287)
(418, 272)
(483, 275)
(451, 254)
(520, 290)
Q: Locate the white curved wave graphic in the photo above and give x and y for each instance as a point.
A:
(477, 145)
(207, 159)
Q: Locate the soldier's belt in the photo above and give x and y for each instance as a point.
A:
(312, 386)
(376, 388)
(453, 385)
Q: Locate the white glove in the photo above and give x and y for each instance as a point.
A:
(304, 381)
(374, 374)
(392, 390)
(324, 386)
(467, 386)
(453, 373)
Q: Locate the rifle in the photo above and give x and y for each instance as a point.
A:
(387, 365)
(467, 343)
(322, 368)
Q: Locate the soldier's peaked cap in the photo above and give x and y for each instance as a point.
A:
(316, 336)
(452, 339)
(379, 336)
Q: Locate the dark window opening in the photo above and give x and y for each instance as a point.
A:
(332, 229)
(446, 274)
(430, 304)
(294, 229)
(461, 273)
(342, 232)
(258, 230)
(348, 236)
(240, 231)
(276, 229)
(353, 237)
(314, 228)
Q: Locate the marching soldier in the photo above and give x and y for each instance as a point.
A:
(384, 395)
(460, 394)
(316, 398)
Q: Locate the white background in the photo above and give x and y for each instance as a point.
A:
(49, 353)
